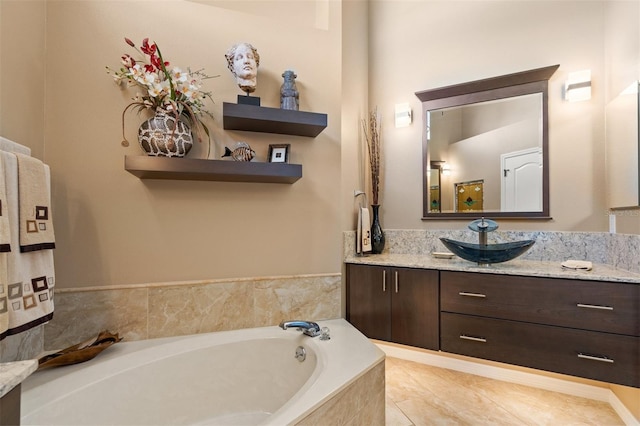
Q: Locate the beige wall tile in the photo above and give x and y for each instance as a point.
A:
(80, 315)
(199, 309)
(305, 297)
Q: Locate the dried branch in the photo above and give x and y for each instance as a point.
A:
(372, 135)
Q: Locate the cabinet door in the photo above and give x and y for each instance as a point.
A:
(369, 300)
(415, 316)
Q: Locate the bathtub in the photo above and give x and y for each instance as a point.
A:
(241, 377)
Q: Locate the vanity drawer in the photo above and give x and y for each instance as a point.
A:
(594, 355)
(591, 305)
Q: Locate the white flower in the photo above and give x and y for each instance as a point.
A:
(178, 76)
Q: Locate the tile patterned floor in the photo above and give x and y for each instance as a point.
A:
(419, 394)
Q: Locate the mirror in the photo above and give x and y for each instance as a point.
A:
(485, 148)
(623, 148)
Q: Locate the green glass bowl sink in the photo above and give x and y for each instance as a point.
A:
(489, 253)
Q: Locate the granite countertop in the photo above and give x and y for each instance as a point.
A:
(14, 373)
(550, 269)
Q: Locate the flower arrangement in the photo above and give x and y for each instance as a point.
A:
(175, 91)
(371, 131)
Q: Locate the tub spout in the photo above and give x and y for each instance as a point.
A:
(307, 327)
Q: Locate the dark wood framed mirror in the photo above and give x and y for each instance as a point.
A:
(493, 131)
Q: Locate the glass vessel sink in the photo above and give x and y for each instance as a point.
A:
(487, 253)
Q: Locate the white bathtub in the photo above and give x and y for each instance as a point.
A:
(242, 377)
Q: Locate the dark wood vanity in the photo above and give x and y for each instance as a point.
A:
(583, 328)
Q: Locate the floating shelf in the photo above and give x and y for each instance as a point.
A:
(146, 167)
(272, 120)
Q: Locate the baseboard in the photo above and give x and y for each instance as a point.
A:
(513, 376)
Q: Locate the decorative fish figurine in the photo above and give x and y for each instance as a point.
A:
(241, 152)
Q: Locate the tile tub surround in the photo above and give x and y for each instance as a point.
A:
(618, 251)
(21, 346)
(146, 311)
(361, 403)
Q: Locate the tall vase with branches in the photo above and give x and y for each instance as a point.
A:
(371, 131)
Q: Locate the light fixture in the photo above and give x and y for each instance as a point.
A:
(578, 86)
(446, 170)
(403, 115)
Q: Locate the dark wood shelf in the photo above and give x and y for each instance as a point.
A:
(146, 167)
(272, 120)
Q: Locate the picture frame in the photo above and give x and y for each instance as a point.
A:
(279, 153)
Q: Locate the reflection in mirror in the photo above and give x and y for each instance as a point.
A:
(496, 145)
(488, 141)
(623, 148)
(433, 179)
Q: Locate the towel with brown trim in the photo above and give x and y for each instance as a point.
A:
(27, 280)
(36, 224)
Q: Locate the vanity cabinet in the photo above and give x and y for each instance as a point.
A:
(583, 328)
(394, 304)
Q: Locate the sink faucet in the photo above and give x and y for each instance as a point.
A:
(483, 227)
(307, 327)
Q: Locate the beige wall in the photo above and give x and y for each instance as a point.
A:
(22, 71)
(427, 44)
(113, 228)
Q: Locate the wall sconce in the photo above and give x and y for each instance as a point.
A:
(578, 86)
(403, 115)
(446, 170)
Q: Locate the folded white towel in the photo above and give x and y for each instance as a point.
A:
(577, 264)
(36, 224)
(11, 146)
(5, 236)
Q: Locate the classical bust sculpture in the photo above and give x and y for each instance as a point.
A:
(243, 61)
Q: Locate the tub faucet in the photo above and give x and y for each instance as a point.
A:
(307, 327)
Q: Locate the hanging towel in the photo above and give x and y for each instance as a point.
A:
(27, 279)
(11, 146)
(4, 301)
(36, 225)
(5, 236)
(365, 230)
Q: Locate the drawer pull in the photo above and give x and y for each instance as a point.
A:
(584, 305)
(464, 293)
(595, 358)
(384, 281)
(475, 339)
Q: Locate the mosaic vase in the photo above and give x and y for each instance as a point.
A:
(165, 135)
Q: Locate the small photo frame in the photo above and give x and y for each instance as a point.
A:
(279, 153)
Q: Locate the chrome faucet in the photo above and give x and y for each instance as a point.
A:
(483, 227)
(307, 327)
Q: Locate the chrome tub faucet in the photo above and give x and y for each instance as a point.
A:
(307, 327)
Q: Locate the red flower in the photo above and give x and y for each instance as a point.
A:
(129, 42)
(128, 61)
(155, 61)
(148, 49)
